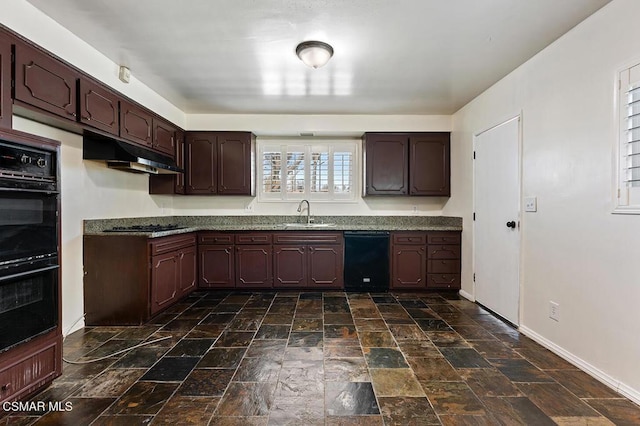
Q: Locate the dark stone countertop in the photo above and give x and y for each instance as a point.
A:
(275, 223)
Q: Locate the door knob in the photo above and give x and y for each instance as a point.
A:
(511, 224)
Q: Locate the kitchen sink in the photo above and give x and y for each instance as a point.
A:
(309, 225)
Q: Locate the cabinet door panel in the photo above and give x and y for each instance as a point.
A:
(164, 281)
(45, 82)
(216, 266)
(234, 163)
(5, 81)
(135, 124)
(290, 266)
(429, 166)
(98, 107)
(188, 270)
(164, 135)
(387, 164)
(253, 266)
(201, 162)
(408, 266)
(180, 177)
(326, 266)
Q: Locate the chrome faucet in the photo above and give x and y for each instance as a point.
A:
(308, 210)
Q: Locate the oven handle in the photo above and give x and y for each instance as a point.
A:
(31, 272)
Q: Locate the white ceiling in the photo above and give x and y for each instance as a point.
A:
(391, 56)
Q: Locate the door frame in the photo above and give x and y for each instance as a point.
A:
(518, 116)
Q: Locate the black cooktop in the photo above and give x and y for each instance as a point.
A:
(144, 228)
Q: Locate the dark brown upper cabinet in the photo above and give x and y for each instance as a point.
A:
(98, 107)
(5, 80)
(136, 124)
(44, 82)
(171, 184)
(164, 137)
(218, 163)
(387, 164)
(429, 168)
(179, 184)
(234, 163)
(407, 164)
(201, 162)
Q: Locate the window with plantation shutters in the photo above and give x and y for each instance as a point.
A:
(322, 170)
(628, 196)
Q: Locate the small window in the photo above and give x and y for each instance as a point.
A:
(628, 170)
(316, 171)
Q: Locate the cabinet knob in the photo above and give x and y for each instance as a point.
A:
(73, 114)
(6, 387)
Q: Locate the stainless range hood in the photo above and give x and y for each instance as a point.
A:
(126, 156)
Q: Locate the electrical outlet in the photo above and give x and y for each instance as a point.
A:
(531, 204)
(554, 311)
(415, 209)
(248, 208)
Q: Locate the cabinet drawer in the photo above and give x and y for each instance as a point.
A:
(316, 237)
(253, 238)
(172, 243)
(443, 266)
(23, 376)
(215, 238)
(443, 280)
(443, 238)
(443, 252)
(409, 238)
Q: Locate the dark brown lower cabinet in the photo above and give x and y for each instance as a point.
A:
(216, 263)
(253, 266)
(164, 281)
(312, 259)
(217, 266)
(408, 266)
(425, 260)
(326, 268)
(173, 276)
(173, 270)
(28, 369)
(290, 266)
(128, 279)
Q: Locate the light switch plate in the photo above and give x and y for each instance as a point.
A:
(531, 204)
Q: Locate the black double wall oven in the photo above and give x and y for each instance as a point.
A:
(29, 242)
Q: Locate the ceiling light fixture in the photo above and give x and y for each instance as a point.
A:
(314, 54)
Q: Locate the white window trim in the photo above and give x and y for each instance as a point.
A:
(621, 192)
(351, 145)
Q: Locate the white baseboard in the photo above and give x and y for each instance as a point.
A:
(467, 295)
(616, 385)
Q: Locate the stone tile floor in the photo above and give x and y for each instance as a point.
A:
(330, 358)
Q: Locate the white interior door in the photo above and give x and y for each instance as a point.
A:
(497, 221)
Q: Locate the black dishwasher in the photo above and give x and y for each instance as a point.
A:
(366, 261)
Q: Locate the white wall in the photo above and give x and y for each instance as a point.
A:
(575, 252)
(89, 191)
(270, 126)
